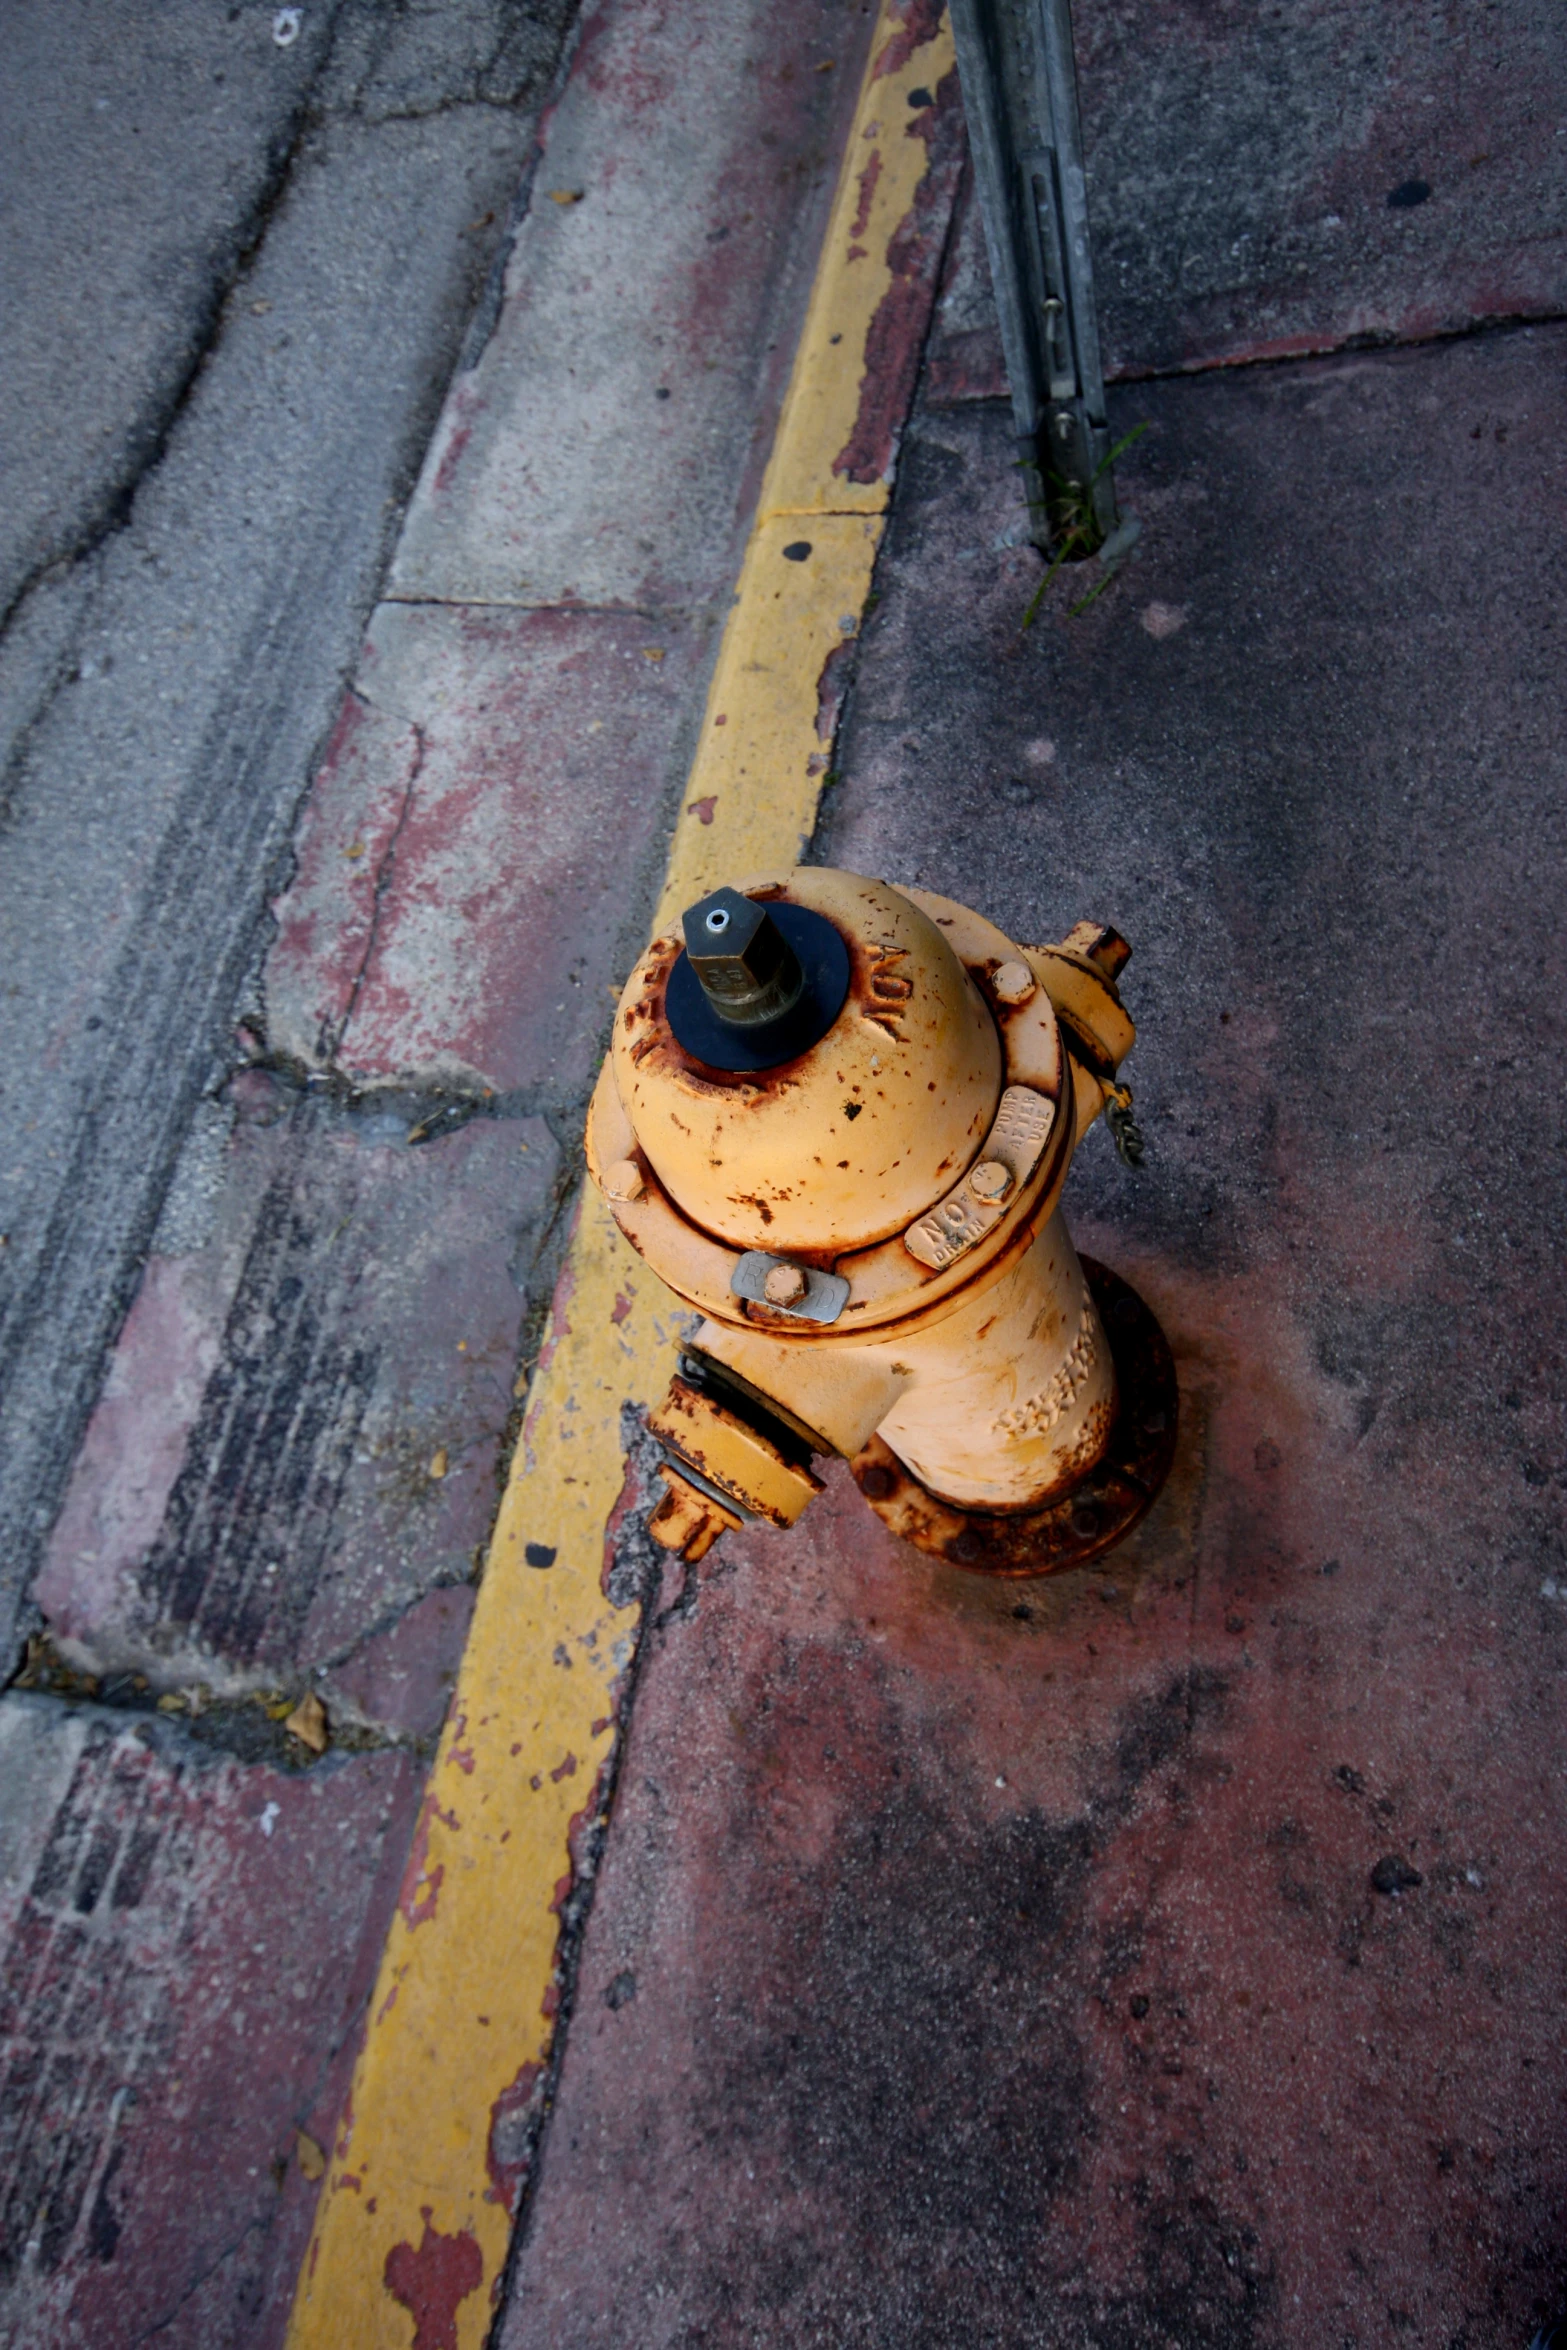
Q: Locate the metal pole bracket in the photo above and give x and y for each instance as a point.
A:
(1019, 82)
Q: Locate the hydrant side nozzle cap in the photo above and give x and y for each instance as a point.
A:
(1098, 944)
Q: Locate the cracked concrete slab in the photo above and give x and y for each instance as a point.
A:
(474, 871)
(145, 151)
(608, 446)
(427, 58)
(296, 1448)
(175, 2019)
(195, 107)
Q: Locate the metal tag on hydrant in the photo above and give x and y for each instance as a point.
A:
(976, 1205)
(816, 1297)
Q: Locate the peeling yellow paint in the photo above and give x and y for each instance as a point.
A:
(883, 166)
(459, 2012)
(755, 784)
(463, 2006)
(750, 804)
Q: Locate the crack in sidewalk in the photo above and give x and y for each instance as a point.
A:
(330, 1042)
(248, 1724)
(149, 438)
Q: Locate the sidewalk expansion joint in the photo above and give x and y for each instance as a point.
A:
(251, 1726)
(1373, 340)
(567, 606)
(435, 1107)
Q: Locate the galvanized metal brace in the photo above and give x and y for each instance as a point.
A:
(1019, 83)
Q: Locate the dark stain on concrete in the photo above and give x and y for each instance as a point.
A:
(271, 1450)
(889, 2103)
(911, 2057)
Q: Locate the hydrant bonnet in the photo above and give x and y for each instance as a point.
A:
(849, 1139)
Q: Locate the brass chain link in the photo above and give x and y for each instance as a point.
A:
(1125, 1132)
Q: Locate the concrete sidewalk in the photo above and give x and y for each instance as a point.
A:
(1171, 1952)
(240, 272)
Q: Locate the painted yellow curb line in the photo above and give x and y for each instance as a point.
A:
(415, 2215)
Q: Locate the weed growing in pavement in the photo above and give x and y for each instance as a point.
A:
(1074, 503)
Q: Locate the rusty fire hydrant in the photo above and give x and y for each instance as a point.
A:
(836, 1119)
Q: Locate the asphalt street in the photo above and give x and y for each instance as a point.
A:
(241, 259)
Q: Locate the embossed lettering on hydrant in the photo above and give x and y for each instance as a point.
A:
(1040, 1412)
(1020, 1131)
(1022, 1125)
(890, 988)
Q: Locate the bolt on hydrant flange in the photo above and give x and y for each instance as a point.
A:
(836, 1119)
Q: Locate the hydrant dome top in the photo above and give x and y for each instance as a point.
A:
(851, 1140)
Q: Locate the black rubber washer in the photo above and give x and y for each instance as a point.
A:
(823, 957)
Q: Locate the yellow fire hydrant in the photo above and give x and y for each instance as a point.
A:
(836, 1119)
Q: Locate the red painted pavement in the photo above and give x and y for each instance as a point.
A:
(292, 1471)
(469, 869)
(188, 1941)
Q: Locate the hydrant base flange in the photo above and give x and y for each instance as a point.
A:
(1099, 1511)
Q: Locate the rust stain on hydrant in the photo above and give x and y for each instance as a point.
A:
(836, 1119)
